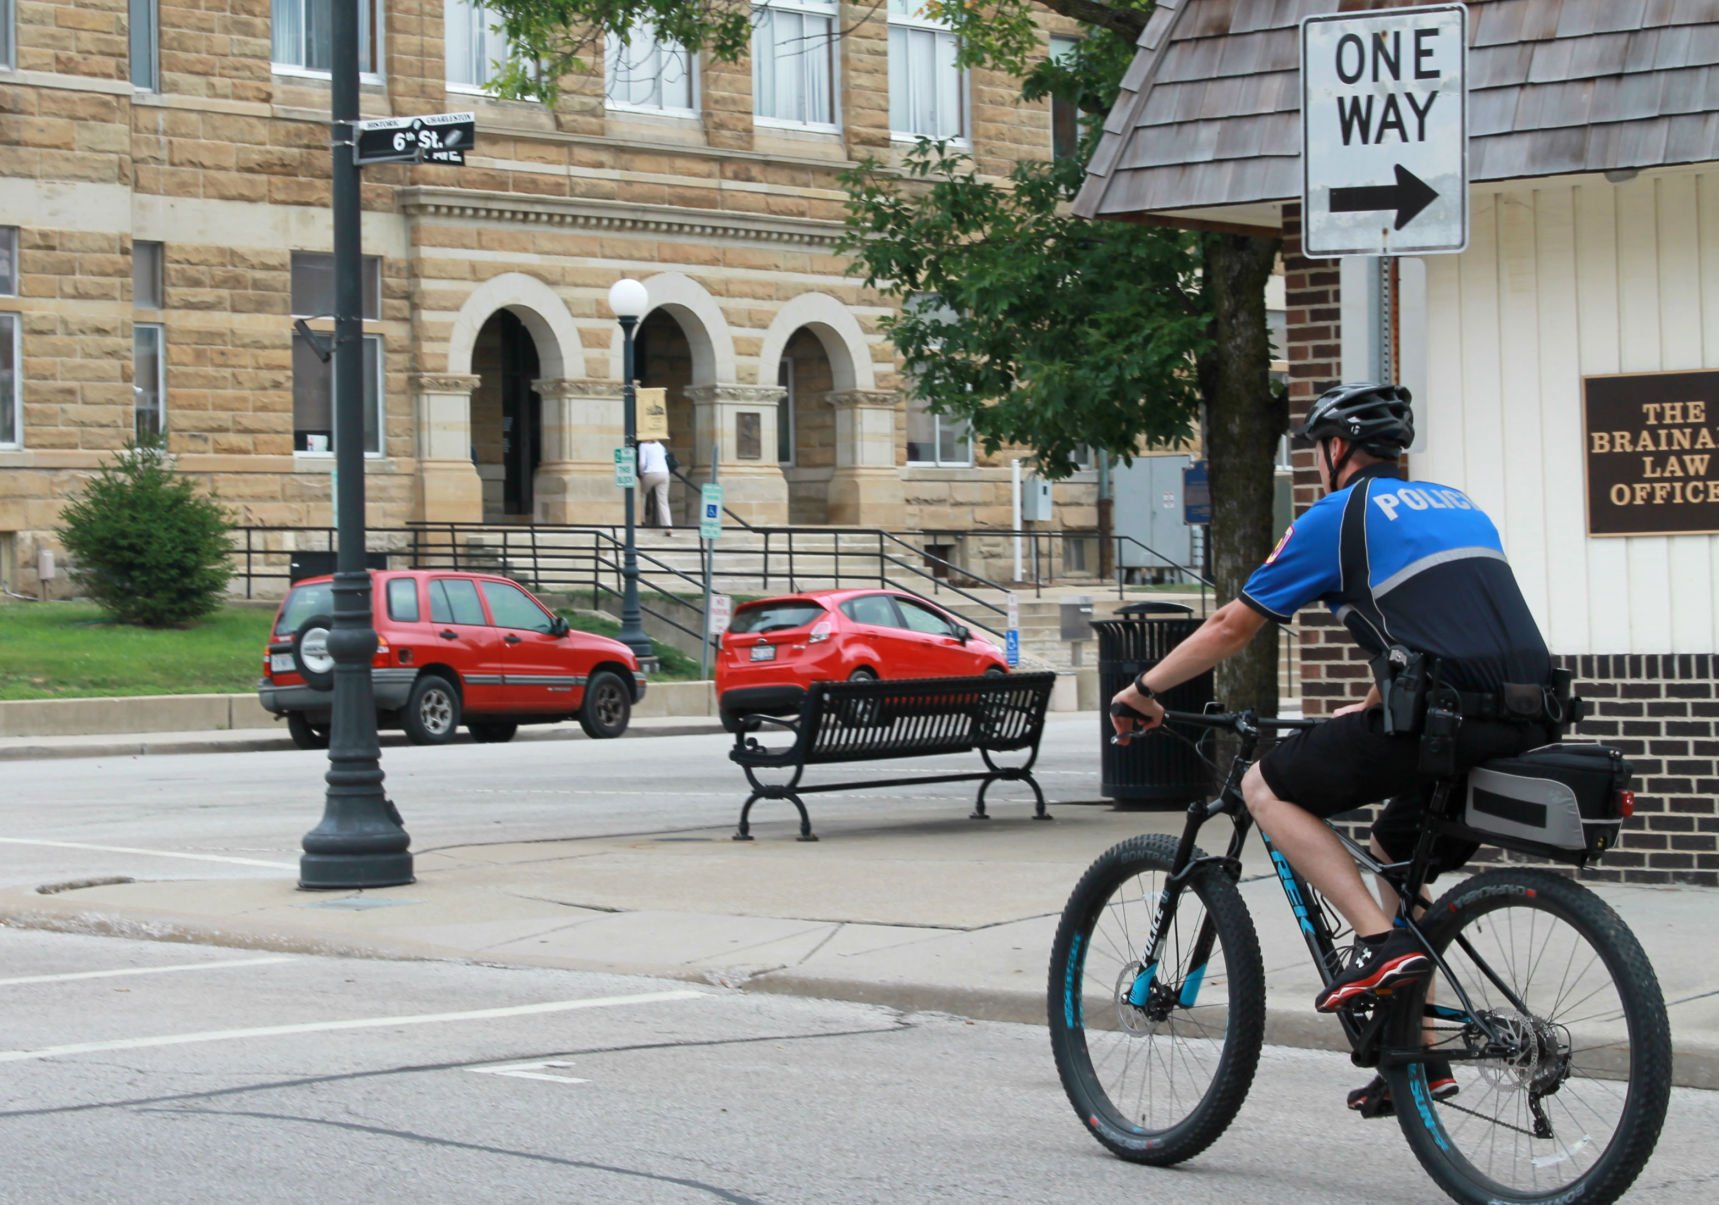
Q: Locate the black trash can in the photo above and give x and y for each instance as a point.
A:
(1159, 768)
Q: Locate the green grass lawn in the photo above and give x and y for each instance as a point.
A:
(69, 651)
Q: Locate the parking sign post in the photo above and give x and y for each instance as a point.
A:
(709, 527)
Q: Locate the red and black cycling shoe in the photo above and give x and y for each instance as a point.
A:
(1375, 1099)
(1376, 968)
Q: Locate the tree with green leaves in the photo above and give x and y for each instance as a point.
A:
(146, 546)
(1043, 330)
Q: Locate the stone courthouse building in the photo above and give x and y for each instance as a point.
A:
(164, 221)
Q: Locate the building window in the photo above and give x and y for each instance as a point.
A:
(649, 73)
(6, 21)
(302, 35)
(145, 34)
(475, 49)
(148, 342)
(793, 62)
(1064, 114)
(785, 412)
(149, 379)
(146, 281)
(937, 438)
(11, 354)
(927, 92)
(313, 397)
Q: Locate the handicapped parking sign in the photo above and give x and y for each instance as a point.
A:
(710, 512)
(1012, 647)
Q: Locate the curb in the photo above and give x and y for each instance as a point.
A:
(151, 744)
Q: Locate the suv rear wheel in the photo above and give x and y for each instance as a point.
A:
(432, 713)
(607, 708)
(305, 734)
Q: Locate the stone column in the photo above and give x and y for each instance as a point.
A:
(752, 484)
(449, 490)
(865, 490)
(575, 481)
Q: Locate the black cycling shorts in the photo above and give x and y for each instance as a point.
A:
(1348, 762)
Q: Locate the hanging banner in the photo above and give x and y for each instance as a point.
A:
(651, 413)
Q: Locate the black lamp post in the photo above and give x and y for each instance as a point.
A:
(359, 842)
(629, 300)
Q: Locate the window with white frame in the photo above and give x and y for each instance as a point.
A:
(927, 91)
(937, 438)
(1064, 114)
(785, 411)
(650, 74)
(302, 37)
(145, 33)
(148, 341)
(313, 399)
(474, 48)
(794, 62)
(11, 353)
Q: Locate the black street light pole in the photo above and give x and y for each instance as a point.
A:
(628, 299)
(360, 841)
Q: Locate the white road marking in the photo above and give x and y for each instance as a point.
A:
(530, 1071)
(153, 853)
(271, 1031)
(185, 966)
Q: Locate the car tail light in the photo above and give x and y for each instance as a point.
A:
(382, 652)
(820, 633)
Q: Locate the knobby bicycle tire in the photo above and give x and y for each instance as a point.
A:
(1154, 1091)
(1589, 1065)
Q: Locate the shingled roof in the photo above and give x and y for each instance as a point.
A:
(1208, 125)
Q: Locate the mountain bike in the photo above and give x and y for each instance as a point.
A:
(1542, 1002)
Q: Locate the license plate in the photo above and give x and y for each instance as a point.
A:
(763, 652)
(281, 663)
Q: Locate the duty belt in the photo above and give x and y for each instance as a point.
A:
(1515, 703)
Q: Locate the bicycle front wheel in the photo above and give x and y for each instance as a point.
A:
(1563, 1068)
(1155, 1060)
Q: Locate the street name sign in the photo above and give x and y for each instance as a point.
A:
(626, 468)
(434, 138)
(710, 512)
(1384, 132)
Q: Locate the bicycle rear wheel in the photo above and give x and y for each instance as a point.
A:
(1565, 1101)
(1157, 1082)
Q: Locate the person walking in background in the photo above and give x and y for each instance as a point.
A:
(654, 483)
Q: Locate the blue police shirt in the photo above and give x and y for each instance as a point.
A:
(1410, 563)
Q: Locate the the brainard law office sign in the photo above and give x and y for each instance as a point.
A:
(1652, 453)
(1384, 132)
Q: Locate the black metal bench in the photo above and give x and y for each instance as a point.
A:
(872, 720)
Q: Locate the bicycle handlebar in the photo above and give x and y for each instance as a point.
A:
(1235, 721)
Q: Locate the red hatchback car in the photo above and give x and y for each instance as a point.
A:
(776, 647)
(452, 647)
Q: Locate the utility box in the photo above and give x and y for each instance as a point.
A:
(1077, 617)
(1035, 500)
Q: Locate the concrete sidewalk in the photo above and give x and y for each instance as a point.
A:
(947, 915)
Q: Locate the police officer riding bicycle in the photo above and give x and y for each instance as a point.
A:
(1417, 574)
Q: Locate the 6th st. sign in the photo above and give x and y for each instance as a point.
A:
(1384, 132)
(433, 138)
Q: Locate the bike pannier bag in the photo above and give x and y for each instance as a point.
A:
(1565, 802)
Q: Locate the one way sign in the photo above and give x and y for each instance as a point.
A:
(1384, 132)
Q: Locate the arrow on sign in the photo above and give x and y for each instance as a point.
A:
(1408, 196)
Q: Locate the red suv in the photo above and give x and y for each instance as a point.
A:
(452, 647)
(776, 647)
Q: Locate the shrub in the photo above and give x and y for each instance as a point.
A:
(145, 545)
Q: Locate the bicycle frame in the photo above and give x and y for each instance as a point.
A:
(1408, 879)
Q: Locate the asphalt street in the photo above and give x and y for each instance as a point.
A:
(145, 1071)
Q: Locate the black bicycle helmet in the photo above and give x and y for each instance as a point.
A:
(1375, 418)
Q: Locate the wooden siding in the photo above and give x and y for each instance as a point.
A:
(1560, 280)
(1210, 109)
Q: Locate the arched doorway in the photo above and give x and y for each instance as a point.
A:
(663, 360)
(507, 416)
(806, 426)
